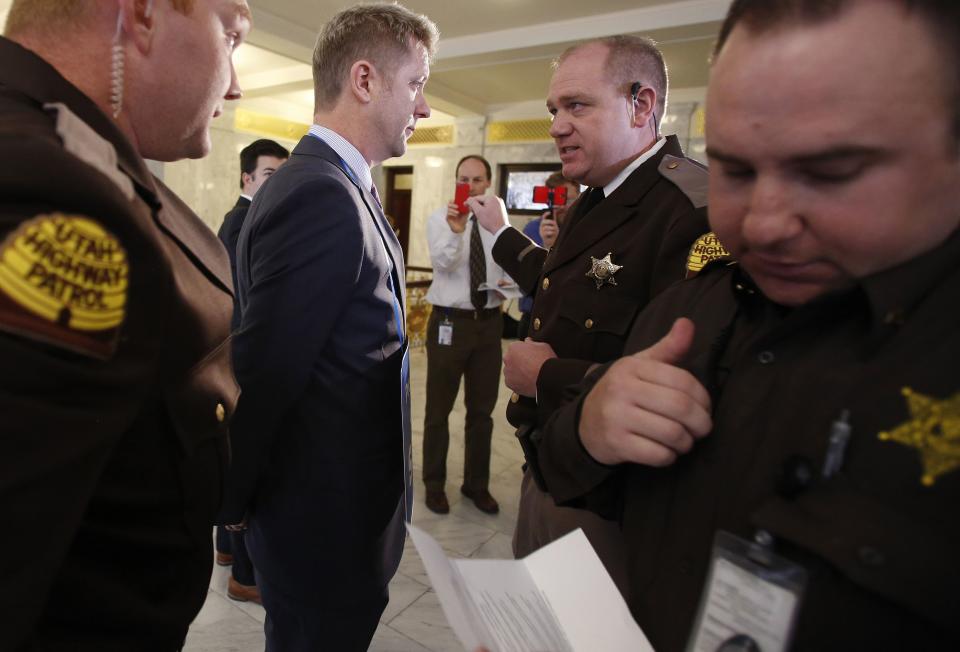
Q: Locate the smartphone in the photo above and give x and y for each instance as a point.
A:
(550, 196)
(463, 193)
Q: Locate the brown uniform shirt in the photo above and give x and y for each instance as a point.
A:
(879, 538)
(648, 226)
(115, 385)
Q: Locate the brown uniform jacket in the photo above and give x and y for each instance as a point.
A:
(648, 226)
(880, 537)
(115, 383)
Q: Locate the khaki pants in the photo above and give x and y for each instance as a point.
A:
(540, 521)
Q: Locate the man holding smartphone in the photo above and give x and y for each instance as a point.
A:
(463, 340)
(544, 231)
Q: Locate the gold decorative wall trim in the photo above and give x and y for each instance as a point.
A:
(432, 136)
(699, 122)
(268, 126)
(513, 131)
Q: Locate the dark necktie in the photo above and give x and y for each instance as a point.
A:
(594, 197)
(478, 266)
(587, 202)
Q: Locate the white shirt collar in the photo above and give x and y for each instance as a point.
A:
(247, 197)
(627, 171)
(345, 149)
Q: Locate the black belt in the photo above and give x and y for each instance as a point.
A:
(482, 313)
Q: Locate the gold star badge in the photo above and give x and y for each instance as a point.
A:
(934, 430)
(603, 269)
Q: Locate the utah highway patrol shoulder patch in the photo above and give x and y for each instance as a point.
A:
(63, 280)
(704, 251)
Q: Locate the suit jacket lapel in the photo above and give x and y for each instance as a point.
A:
(312, 146)
(586, 230)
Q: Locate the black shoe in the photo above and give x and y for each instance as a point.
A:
(437, 502)
(482, 499)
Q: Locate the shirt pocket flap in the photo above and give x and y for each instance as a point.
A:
(606, 314)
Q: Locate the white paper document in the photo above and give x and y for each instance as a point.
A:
(508, 291)
(558, 599)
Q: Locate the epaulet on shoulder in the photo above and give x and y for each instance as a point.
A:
(82, 140)
(687, 175)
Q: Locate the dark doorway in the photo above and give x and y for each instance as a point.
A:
(399, 193)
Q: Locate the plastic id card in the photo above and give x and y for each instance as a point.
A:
(750, 601)
(445, 333)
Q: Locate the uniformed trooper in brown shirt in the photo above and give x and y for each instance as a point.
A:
(807, 405)
(629, 237)
(115, 302)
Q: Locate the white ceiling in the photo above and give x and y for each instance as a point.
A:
(493, 53)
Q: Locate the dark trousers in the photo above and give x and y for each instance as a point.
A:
(232, 543)
(224, 543)
(295, 625)
(242, 568)
(475, 354)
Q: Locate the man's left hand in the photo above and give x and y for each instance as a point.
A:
(522, 363)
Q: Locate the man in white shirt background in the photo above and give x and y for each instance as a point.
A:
(463, 340)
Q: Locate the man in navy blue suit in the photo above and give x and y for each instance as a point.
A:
(321, 436)
(258, 161)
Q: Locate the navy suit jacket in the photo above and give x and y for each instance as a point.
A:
(229, 233)
(321, 433)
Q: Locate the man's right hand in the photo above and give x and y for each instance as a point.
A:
(645, 410)
(548, 230)
(456, 220)
(490, 212)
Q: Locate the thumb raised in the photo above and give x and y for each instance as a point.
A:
(674, 346)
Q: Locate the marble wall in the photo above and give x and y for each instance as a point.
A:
(211, 185)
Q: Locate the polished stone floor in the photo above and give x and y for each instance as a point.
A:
(413, 620)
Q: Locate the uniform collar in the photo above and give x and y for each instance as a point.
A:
(632, 166)
(886, 298)
(894, 293)
(24, 71)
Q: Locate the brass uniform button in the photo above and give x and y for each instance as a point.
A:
(588, 323)
(546, 283)
(514, 398)
(673, 165)
(221, 413)
(536, 324)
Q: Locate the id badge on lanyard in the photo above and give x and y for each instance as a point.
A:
(750, 600)
(445, 333)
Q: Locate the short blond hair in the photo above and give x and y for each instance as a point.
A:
(379, 33)
(26, 15)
